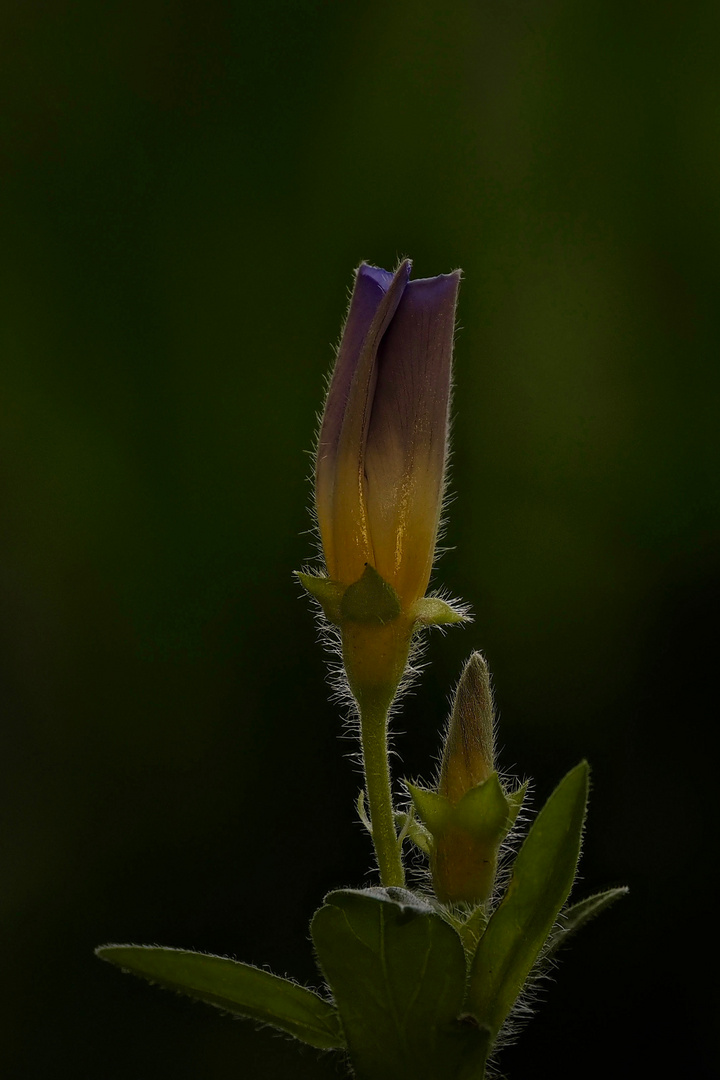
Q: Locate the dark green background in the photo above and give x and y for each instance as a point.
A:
(185, 189)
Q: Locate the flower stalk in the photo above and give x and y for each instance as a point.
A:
(375, 657)
(378, 787)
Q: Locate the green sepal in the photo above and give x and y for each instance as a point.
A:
(397, 972)
(236, 988)
(433, 810)
(465, 837)
(484, 816)
(409, 826)
(370, 599)
(485, 811)
(576, 916)
(432, 611)
(516, 800)
(541, 880)
(327, 592)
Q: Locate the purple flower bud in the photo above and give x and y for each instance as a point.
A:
(383, 442)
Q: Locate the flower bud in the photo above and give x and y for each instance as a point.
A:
(382, 450)
(470, 814)
(468, 754)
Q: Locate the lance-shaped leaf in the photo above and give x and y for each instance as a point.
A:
(237, 988)
(576, 916)
(397, 972)
(541, 881)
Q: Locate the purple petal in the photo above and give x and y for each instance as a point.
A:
(375, 298)
(406, 445)
(371, 284)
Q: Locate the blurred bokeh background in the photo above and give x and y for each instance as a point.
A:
(185, 191)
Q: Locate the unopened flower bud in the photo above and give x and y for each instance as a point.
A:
(380, 471)
(469, 751)
(470, 814)
(380, 467)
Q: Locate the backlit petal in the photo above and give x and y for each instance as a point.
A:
(340, 484)
(406, 445)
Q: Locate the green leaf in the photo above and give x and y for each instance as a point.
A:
(397, 972)
(237, 988)
(576, 916)
(541, 881)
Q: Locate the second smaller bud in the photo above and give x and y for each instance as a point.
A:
(470, 814)
(469, 752)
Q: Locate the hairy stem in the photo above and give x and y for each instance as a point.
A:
(374, 730)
